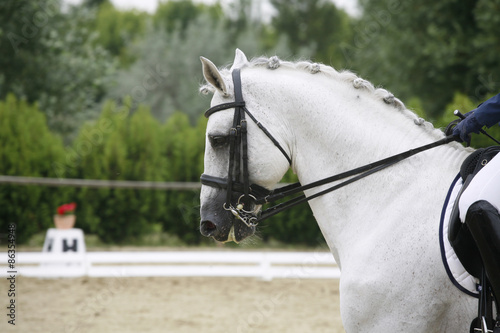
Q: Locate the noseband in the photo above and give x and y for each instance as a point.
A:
(250, 197)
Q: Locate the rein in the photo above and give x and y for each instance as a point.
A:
(255, 196)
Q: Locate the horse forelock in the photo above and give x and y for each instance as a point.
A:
(346, 76)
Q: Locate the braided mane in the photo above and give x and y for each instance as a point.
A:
(345, 75)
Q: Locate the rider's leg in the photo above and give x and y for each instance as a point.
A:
(483, 221)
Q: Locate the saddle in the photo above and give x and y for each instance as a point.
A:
(458, 233)
(466, 248)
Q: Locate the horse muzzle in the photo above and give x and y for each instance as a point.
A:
(225, 231)
(224, 222)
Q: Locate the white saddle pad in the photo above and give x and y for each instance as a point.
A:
(456, 271)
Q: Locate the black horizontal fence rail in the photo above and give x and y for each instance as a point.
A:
(98, 183)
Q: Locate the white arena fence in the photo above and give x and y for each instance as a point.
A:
(263, 265)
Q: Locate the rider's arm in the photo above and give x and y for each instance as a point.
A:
(488, 113)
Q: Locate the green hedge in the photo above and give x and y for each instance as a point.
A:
(28, 149)
(119, 145)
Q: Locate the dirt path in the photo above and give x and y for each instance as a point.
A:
(172, 305)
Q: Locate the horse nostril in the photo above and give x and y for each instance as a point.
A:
(208, 228)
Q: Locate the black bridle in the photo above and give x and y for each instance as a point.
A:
(236, 182)
(252, 196)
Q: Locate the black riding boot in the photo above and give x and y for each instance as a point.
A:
(483, 221)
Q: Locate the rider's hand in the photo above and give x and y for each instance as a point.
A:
(467, 126)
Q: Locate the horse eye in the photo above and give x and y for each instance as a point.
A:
(217, 141)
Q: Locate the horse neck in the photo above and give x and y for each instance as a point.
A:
(338, 128)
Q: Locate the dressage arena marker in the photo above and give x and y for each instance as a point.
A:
(263, 265)
(68, 245)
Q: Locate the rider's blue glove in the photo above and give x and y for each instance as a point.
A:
(487, 114)
(467, 126)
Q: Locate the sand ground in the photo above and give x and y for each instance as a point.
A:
(159, 304)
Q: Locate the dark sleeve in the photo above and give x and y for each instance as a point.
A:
(488, 113)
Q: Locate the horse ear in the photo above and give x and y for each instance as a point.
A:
(212, 75)
(240, 60)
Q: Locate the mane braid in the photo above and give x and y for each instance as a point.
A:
(347, 76)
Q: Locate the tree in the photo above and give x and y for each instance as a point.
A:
(315, 24)
(118, 146)
(429, 49)
(486, 48)
(28, 149)
(183, 146)
(94, 3)
(167, 73)
(178, 15)
(48, 57)
(118, 29)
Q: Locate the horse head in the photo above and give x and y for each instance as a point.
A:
(240, 157)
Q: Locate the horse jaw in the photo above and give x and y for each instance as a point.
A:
(213, 77)
(240, 60)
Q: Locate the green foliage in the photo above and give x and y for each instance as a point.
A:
(117, 29)
(167, 73)
(28, 149)
(48, 56)
(94, 3)
(181, 144)
(119, 147)
(315, 24)
(183, 148)
(178, 15)
(460, 102)
(486, 48)
(122, 144)
(429, 49)
(415, 104)
(437, 56)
